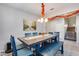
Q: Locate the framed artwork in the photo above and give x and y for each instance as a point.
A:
(29, 25)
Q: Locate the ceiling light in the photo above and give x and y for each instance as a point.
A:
(38, 20)
(42, 15)
(46, 20)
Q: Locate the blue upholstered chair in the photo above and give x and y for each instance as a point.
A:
(37, 45)
(57, 36)
(19, 52)
(28, 34)
(34, 33)
(56, 39)
(50, 33)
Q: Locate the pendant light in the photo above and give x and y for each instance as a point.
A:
(43, 19)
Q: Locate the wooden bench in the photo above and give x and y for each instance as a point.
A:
(52, 49)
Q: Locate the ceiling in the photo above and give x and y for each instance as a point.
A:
(35, 8)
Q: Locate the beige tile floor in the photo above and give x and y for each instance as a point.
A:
(70, 49)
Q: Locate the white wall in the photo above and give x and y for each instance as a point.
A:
(41, 27)
(56, 25)
(77, 29)
(11, 22)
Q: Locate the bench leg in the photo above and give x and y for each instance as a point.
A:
(62, 49)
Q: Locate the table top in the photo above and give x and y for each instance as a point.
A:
(35, 39)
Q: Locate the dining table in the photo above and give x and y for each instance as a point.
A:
(35, 39)
(30, 41)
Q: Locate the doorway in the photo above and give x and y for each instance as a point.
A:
(70, 32)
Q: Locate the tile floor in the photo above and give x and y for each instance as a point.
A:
(70, 49)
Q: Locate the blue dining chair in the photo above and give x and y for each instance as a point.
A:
(47, 42)
(50, 32)
(19, 52)
(28, 34)
(34, 33)
(57, 36)
(37, 45)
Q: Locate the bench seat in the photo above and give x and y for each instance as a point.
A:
(52, 49)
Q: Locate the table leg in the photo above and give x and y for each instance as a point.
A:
(62, 50)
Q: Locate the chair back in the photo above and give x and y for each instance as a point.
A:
(35, 33)
(57, 33)
(13, 46)
(28, 34)
(50, 32)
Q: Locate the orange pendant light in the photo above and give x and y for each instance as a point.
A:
(42, 14)
(43, 10)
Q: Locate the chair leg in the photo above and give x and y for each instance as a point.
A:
(55, 40)
(62, 50)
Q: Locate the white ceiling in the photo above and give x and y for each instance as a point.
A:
(35, 8)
